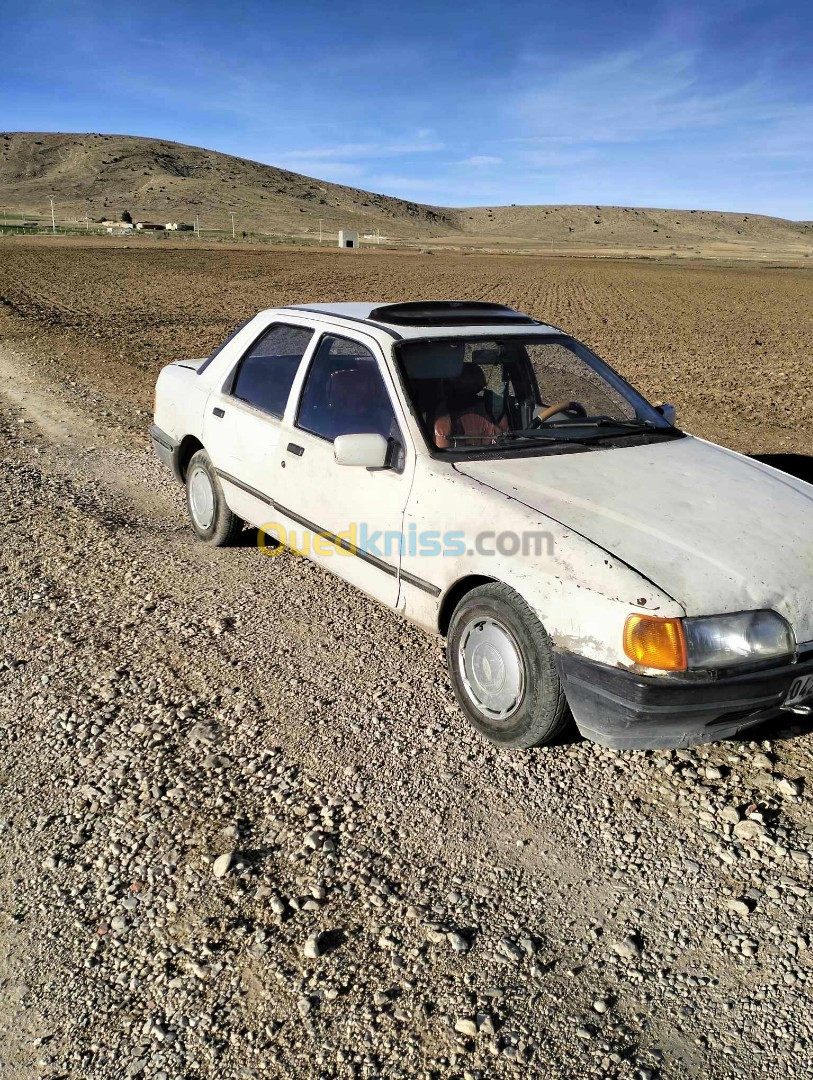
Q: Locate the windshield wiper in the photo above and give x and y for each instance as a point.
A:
(622, 428)
(606, 421)
(533, 434)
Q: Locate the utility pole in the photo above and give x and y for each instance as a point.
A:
(320, 230)
(232, 226)
(87, 218)
(197, 227)
(53, 219)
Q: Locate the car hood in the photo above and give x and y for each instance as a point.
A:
(715, 530)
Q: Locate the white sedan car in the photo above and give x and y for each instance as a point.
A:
(490, 478)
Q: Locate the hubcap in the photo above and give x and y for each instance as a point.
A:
(492, 668)
(201, 498)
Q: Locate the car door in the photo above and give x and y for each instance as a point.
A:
(346, 518)
(243, 421)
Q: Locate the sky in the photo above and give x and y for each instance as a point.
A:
(686, 105)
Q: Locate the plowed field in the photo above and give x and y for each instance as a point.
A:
(729, 345)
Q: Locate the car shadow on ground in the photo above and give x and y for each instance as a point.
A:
(798, 465)
(249, 537)
(783, 727)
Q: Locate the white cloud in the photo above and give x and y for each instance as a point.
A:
(402, 185)
(339, 172)
(480, 160)
(359, 150)
(648, 93)
(554, 158)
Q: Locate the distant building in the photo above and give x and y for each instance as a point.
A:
(348, 238)
(171, 226)
(121, 229)
(149, 226)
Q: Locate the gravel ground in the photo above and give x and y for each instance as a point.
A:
(244, 832)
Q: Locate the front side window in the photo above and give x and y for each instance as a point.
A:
(268, 368)
(344, 393)
(508, 392)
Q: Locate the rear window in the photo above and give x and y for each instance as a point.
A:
(219, 349)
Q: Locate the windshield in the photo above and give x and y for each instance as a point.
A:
(470, 393)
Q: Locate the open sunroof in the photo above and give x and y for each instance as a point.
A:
(449, 313)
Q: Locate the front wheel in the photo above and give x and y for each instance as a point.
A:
(503, 671)
(211, 519)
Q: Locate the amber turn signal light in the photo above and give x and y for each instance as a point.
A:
(655, 643)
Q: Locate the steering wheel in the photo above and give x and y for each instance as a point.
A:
(574, 407)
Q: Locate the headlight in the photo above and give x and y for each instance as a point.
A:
(717, 641)
(747, 638)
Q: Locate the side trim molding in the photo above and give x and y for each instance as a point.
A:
(244, 487)
(373, 560)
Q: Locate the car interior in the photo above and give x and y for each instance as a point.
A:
(344, 393)
(468, 394)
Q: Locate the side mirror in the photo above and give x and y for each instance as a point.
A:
(668, 412)
(370, 451)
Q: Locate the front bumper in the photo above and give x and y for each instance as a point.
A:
(626, 711)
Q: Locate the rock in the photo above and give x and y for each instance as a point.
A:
(466, 1027)
(458, 943)
(304, 1005)
(628, 948)
(485, 1024)
(749, 829)
(740, 906)
(311, 949)
(204, 732)
(601, 1005)
(788, 787)
(222, 864)
(762, 761)
(511, 950)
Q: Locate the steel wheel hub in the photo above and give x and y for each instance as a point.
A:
(491, 667)
(201, 498)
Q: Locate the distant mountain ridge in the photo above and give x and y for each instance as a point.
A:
(161, 181)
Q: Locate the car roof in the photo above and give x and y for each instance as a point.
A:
(435, 318)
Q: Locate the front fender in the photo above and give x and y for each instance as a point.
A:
(580, 592)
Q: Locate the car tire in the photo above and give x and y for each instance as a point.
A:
(503, 671)
(211, 519)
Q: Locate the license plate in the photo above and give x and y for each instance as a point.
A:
(800, 691)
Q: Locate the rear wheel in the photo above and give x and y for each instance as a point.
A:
(211, 519)
(503, 671)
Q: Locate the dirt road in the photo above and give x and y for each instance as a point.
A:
(245, 833)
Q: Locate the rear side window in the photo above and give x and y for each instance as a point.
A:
(344, 393)
(267, 370)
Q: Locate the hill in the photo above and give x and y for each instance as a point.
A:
(164, 181)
